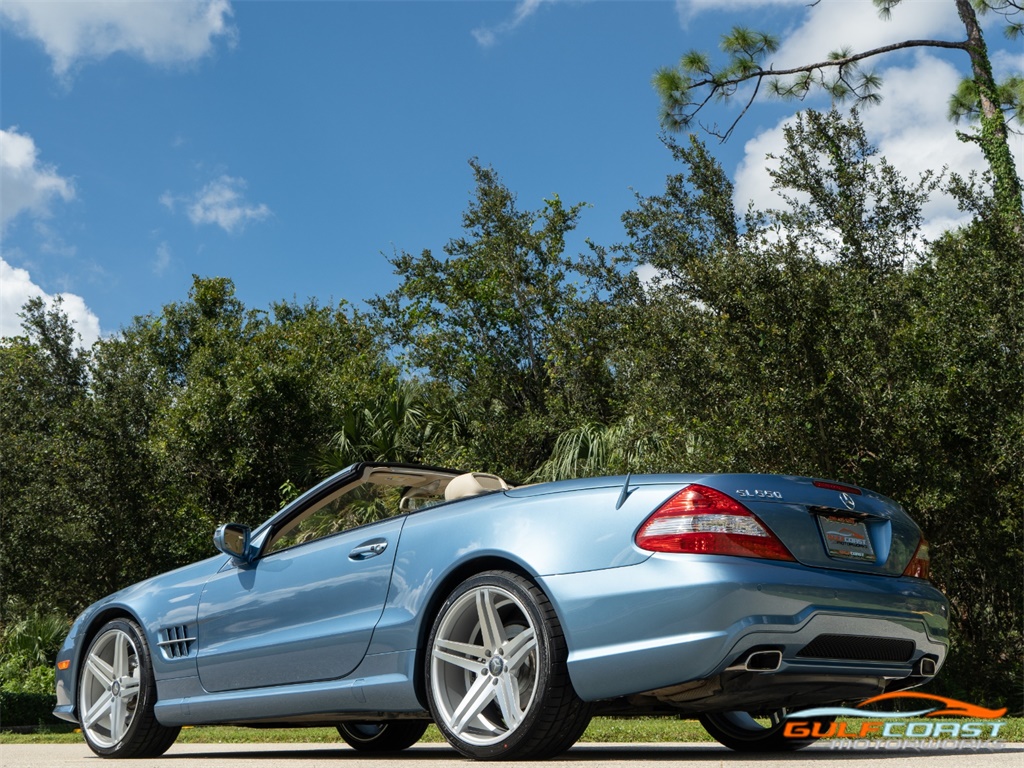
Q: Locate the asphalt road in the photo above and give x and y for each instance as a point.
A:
(440, 756)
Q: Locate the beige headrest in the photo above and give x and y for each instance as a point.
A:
(473, 484)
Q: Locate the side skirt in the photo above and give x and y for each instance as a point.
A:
(381, 683)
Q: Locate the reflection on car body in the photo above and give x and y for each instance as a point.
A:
(389, 596)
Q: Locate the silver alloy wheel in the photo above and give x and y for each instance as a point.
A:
(484, 665)
(108, 694)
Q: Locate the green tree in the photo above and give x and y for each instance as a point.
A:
(504, 323)
(119, 462)
(78, 514)
(958, 441)
(43, 406)
(592, 449)
(687, 88)
(395, 426)
(252, 396)
(28, 650)
(786, 319)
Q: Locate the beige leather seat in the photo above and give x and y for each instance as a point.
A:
(473, 484)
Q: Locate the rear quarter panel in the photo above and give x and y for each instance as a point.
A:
(546, 530)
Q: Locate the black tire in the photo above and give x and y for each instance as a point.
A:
(741, 732)
(123, 701)
(382, 736)
(533, 711)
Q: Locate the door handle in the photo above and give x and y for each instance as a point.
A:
(368, 549)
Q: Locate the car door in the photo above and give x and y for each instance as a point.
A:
(303, 611)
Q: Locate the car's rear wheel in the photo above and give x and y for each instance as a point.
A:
(117, 693)
(750, 732)
(382, 736)
(497, 680)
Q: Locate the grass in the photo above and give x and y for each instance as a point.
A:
(602, 730)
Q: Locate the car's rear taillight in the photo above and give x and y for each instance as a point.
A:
(701, 520)
(920, 564)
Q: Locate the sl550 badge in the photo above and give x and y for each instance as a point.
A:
(758, 494)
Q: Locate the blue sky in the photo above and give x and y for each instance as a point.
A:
(288, 145)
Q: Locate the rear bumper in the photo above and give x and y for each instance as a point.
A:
(679, 618)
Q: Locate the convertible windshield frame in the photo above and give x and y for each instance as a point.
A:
(386, 474)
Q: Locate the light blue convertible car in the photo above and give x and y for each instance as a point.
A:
(390, 596)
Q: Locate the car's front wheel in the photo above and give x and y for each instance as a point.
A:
(117, 693)
(749, 732)
(497, 680)
(382, 736)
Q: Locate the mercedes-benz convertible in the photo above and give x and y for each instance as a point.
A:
(391, 596)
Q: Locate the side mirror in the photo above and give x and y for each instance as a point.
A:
(233, 539)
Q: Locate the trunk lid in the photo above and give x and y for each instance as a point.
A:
(823, 527)
(828, 527)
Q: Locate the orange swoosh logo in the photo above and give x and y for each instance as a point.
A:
(947, 706)
(850, 532)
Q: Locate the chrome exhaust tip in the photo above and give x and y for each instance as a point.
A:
(926, 667)
(763, 661)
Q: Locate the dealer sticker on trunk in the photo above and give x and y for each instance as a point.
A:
(846, 538)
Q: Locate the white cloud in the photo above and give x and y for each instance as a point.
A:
(909, 127)
(829, 26)
(16, 287)
(1006, 63)
(647, 274)
(163, 258)
(220, 202)
(855, 23)
(488, 36)
(51, 242)
(26, 184)
(157, 32)
(485, 36)
(687, 9)
(910, 130)
(168, 200)
(751, 181)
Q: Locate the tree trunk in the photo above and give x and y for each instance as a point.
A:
(993, 137)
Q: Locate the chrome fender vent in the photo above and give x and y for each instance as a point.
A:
(176, 642)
